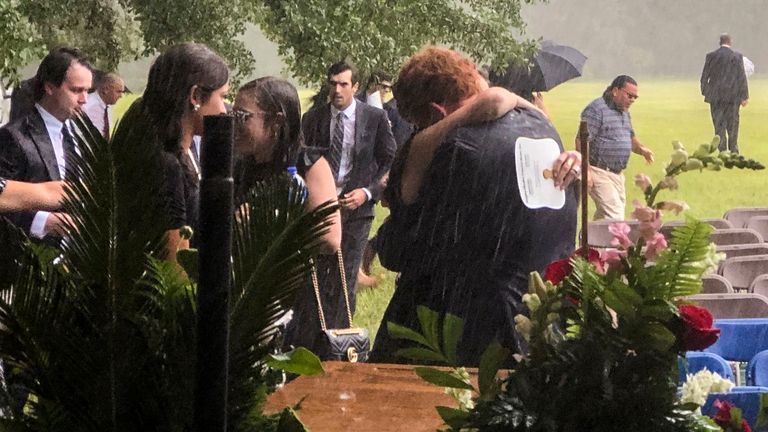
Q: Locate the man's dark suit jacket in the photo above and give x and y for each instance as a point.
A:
(26, 154)
(469, 243)
(723, 78)
(373, 153)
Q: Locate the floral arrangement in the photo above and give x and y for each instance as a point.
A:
(604, 331)
(698, 386)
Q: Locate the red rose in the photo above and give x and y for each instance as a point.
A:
(695, 331)
(723, 417)
(559, 270)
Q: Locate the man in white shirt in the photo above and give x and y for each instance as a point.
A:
(99, 105)
(34, 148)
(359, 148)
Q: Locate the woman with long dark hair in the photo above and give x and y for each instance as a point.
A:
(269, 141)
(186, 83)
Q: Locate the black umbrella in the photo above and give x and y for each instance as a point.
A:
(555, 64)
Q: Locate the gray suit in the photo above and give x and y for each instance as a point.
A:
(374, 150)
(26, 154)
(724, 87)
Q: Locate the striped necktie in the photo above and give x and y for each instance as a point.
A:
(337, 144)
(68, 144)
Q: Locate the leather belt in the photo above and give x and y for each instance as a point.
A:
(606, 167)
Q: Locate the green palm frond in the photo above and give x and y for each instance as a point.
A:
(115, 199)
(101, 333)
(273, 240)
(678, 269)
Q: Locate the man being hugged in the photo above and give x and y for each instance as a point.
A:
(467, 240)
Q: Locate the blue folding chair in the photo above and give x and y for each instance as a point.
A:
(757, 370)
(697, 361)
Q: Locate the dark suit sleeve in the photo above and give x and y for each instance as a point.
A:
(705, 74)
(10, 156)
(12, 167)
(307, 128)
(383, 152)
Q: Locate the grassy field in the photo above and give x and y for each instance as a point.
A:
(667, 110)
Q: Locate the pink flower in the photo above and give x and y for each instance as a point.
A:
(642, 181)
(655, 245)
(612, 259)
(650, 220)
(675, 206)
(620, 231)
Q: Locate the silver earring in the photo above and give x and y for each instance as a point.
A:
(196, 107)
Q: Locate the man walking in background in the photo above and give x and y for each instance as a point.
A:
(724, 87)
(99, 105)
(611, 140)
(359, 147)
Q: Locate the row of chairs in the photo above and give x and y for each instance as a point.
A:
(739, 226)
(747, 397)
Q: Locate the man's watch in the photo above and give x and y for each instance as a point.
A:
(2, 185)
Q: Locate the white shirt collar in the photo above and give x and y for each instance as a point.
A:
(97, 100)
(348, 111)
(51, 123)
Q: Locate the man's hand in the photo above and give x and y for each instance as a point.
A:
(647, 154)
(566, 169)
(744, 102)
(57, 224)
(353, 199)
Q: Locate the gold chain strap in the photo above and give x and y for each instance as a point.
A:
(317, 295)
(315, 284)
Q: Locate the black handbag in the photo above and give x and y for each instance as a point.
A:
(350, 344)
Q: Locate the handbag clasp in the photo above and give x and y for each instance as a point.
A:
(352, 354)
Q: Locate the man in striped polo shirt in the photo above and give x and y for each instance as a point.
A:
(611, 139)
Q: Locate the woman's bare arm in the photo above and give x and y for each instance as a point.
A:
(486, 106)
(321, 188)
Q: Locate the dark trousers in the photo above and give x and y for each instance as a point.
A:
(725, 118)
(304, 328)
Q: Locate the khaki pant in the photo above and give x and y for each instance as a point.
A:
(608, 193)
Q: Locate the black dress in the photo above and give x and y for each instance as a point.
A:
(467, 245)
(173, 192)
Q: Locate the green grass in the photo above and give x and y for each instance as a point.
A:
(667, 110)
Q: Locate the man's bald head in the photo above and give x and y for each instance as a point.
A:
(111, 88)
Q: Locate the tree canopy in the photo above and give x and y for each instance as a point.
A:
(310, 34)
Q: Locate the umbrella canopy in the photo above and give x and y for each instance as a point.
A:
(555, 64)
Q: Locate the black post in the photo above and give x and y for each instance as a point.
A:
(215, 231)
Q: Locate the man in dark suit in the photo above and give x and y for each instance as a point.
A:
(360, 149)
(34, 148)
(724, 86)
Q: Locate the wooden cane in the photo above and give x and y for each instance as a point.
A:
(584, 144)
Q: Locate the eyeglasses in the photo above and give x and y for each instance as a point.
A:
(241, 116)
(631, 96)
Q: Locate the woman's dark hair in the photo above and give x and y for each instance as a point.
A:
(279, 101)
(171, 77)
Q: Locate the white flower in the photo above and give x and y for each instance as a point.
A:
(462, 396)
(699, 385)
(524, 326)
(532, 301)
